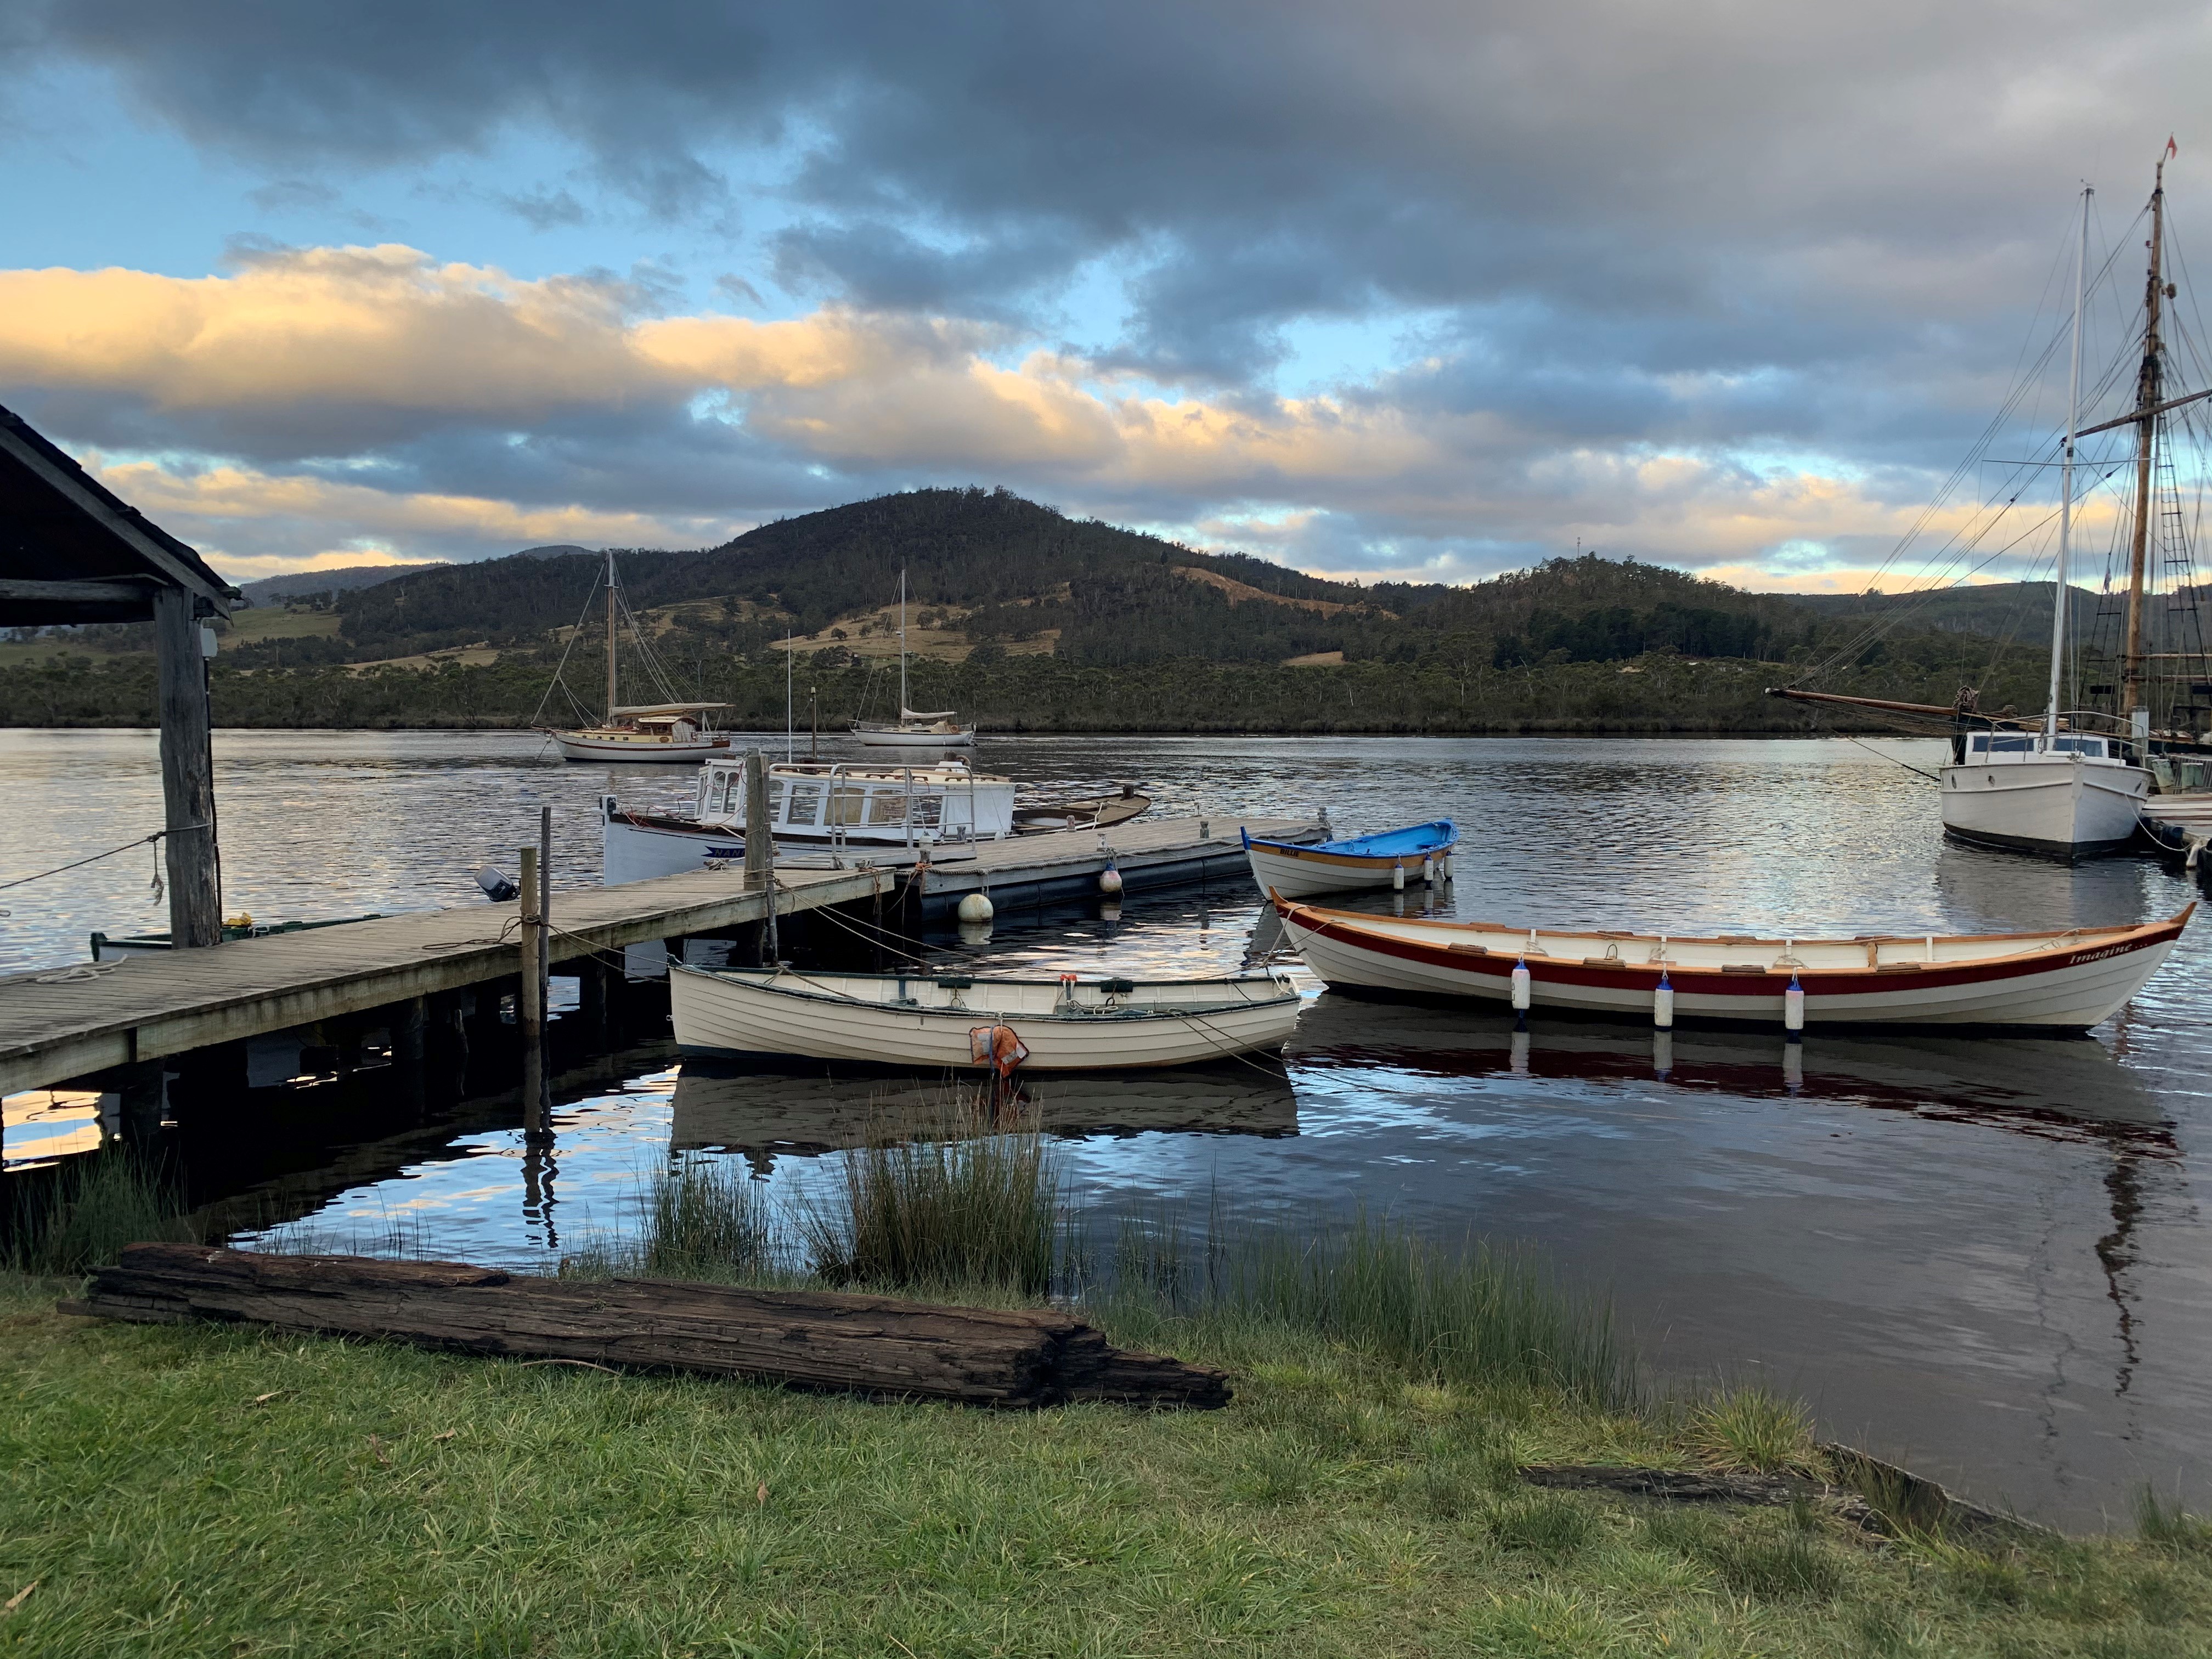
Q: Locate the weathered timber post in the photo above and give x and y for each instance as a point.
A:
(760, 851)
(187, 774)
(530, 1004)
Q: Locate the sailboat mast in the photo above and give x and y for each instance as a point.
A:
(2148, 383)
(904, 704)
(610, 636)
(2058, 597)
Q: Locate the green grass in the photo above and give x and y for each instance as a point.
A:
(207, 1491)
(1741, 1427)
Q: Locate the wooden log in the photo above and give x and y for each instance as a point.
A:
(810, 1339)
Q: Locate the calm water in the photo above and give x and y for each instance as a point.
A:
(1985, 1257)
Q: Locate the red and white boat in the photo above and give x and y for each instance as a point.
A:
(2066, 981)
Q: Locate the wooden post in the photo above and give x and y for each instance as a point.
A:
(187, 774)
(530, 1006)
(760, 839)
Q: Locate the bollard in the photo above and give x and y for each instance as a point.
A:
(1662, 1004)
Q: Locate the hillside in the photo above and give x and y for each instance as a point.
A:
(1031, 620)
(989, 570)
(276, 589)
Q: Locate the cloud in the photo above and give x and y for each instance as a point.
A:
(248, 521)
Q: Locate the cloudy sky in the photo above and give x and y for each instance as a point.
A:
(1406, 287)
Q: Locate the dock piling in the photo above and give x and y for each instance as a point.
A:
(535, 902)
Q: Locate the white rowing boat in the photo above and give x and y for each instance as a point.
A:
(958, 1023)
(1388, 858)
(2065, 980)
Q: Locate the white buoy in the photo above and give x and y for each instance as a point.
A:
(975, 908)
(1793, 1007)
(1662, 1004)
(1398, 876)
(1520, 993)
(1109, 881)
(1446, 867)
(1428, 871)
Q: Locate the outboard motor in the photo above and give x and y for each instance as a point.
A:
(496, 887)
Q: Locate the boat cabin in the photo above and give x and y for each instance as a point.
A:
(1989, 748)
(888, 805)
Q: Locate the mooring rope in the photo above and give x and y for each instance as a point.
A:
(143, 841)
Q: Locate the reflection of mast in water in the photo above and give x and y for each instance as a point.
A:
(2116, 1250)
(539, 1171)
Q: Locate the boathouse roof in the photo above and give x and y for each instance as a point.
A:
(73, 551)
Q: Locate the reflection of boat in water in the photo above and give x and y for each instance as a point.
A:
(2069, 1088)
(737, 1108)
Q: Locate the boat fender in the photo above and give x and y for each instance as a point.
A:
(1445, 867)
(1109, 880)
(975, 906)
(1793, 1009)
(1662, 1004)
(496, 887)
(999, 1047)
(1428, 871)
(1398, 876)
(1521, 992)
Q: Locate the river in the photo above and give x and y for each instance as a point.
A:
(1985, 1257)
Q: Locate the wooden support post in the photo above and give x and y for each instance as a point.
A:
(592, 1000)
(187, 774)
(760, 839)
(530, 1006)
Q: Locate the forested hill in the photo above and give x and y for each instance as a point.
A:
(987, 569)
(1029, 620)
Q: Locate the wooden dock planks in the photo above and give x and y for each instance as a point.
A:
(64, 1022)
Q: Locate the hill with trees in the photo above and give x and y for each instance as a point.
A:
(1027, 618)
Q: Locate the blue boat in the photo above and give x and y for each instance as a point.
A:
(1421, 851)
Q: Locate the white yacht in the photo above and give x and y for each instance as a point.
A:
(661, 732)
(2065, 793)
(936, 730)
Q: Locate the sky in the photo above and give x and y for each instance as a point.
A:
(1407, 290)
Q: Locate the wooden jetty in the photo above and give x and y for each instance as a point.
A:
(1149, 853)
(72, 1022)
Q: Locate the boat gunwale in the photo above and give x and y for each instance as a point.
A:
(1346, 926)
(763, 979)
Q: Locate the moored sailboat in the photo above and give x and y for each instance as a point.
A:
(2076, 781)
(663, 732)
(934, 729)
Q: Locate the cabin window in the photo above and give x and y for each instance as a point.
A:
(2010, 745)
(846, 802)
(775, 799)
(806, 804)
(887, 807)
(721, 785)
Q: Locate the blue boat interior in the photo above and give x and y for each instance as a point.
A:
(1414, 842)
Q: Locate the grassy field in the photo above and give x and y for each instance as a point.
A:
(201, 1490)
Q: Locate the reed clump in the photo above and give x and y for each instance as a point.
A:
(703, 1219)
(90, 1208)
(1472, 1315)
(1745, 1427)
(960, 1201)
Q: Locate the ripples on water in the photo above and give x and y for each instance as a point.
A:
(1985, 1255)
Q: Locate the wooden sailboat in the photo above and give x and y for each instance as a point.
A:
(2066, 981)
(914, 728)
(2079, 780)
(664, 732)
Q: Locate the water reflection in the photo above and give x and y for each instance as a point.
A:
(766, 1113)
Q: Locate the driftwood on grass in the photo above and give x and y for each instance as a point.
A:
(812, 1339)
(1867, 1493)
